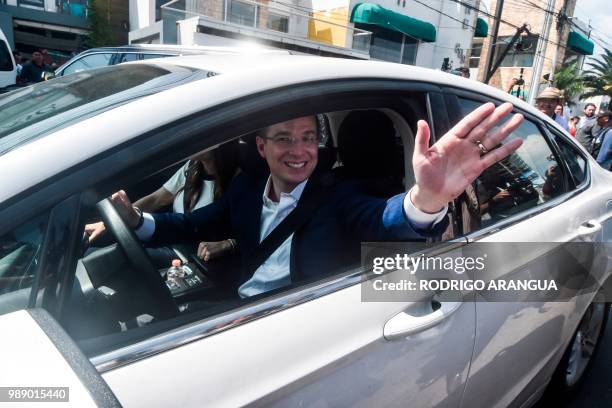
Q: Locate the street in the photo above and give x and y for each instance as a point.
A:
(596, 391)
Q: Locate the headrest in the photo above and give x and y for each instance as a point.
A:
(366, 144)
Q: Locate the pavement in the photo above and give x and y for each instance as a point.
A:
(596, 391)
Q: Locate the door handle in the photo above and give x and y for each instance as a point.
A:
(405, 324)
(589, 227)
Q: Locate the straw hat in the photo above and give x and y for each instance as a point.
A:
(550, 93)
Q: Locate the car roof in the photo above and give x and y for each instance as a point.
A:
(241, 75)
(190, 49)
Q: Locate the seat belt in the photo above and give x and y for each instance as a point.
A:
(296, 218)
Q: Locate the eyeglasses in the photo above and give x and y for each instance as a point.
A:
(288, 141)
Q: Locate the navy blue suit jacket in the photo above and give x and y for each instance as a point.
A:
(328, 242)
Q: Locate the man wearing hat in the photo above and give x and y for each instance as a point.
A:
(547, 101)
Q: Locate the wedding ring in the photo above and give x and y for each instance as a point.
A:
(483, 149)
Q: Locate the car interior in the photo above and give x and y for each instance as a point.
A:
(117, 286)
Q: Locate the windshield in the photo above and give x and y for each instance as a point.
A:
(35, 110)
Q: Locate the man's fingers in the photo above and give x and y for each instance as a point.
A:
(496, 155)
(480, 131)
(500, 134)
(465, 126)
(422, 138)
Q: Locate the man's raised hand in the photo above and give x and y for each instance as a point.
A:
(444, 170)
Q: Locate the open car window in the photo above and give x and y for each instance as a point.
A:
(114, 295)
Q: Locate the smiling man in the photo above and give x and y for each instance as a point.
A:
(323, 224)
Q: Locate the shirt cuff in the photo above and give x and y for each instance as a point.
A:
(146, 230)
(419, 219)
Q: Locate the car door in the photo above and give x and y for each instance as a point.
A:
(318, 344)
(519, 342)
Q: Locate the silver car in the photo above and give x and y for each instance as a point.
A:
(109, 332)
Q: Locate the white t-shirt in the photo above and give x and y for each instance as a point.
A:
(177, 182)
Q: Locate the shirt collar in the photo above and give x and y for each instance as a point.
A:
(294, 195)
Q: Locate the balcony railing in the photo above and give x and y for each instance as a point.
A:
(287, 20)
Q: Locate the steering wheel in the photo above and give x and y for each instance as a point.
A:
(139, 259)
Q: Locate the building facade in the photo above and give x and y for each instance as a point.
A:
(60, 26)
(550, 40)
(427, 33)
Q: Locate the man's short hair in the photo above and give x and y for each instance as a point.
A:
(590, 104)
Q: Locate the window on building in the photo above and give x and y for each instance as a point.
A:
(475, 55)
(521, 54)
(278, 22)
(32, 3)
(389, 45)
(240, 12)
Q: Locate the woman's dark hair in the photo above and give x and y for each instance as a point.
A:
(225, 161)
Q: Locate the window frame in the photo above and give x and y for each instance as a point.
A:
(163, 147)
(452, 96)
(111, 53)
(553, 134)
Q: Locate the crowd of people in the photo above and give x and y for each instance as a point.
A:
(593, 131)
(33, 71)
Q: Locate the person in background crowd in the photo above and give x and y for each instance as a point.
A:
(559, 110)
(48, 59)
(18, 62)
(573, 125)
(602, 147)
(587, 134)
(34, 71)
(589, 116)
(547, 102)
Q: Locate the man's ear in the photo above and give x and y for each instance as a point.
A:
(260, 142)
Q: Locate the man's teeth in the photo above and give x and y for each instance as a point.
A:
(296, 165)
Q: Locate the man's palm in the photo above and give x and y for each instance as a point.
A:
(444, 170)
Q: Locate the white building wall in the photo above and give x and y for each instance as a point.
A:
(142, 14)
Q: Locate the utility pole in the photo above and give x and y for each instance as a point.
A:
(498, 13)
(540, 52)
(561, 21)
(500, 58)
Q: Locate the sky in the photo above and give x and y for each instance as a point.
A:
(600, 14)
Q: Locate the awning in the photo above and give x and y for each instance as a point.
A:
(368, 13)
(482, 28)
(580, 43)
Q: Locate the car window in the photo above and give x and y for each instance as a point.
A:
(126, 57)
(380, 138)
(153, 56)
(88, 62)
(20, 252)
(6, 63)
(527, 178)
(576, 163)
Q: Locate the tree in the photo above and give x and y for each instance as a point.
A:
(570, 82)
(101, 33)
(598, 79)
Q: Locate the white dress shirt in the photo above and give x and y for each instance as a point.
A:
(274, 272)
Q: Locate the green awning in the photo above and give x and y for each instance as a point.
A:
(580, 43)
(482, 28)
(368, 13)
